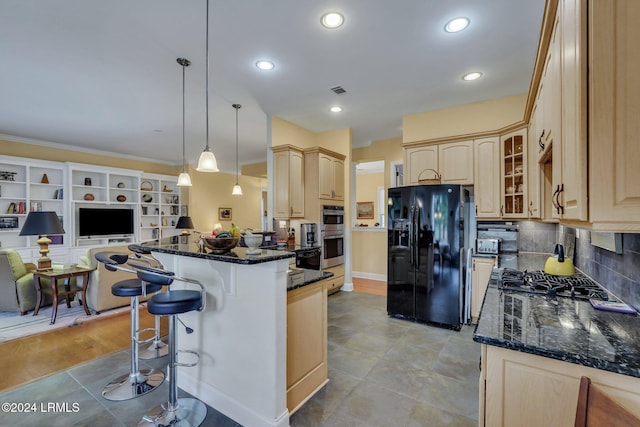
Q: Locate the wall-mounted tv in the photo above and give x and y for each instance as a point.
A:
(105, 221)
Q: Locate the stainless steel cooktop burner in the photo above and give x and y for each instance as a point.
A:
(577, 286)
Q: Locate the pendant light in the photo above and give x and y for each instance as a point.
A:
(237, 190)
(184, 180)
(207, 161)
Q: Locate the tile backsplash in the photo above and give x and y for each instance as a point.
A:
(619, 273)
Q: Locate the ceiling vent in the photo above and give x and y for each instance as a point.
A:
(338, 90)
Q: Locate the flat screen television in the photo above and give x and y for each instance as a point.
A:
(105, 221)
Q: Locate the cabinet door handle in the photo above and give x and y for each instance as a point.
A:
(530, 210)
(291, 210)
(476, 210)
(540, 143)
(502, 210)
(553, 198)
(560, 206)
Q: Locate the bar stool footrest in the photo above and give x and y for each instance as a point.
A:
(189, 365)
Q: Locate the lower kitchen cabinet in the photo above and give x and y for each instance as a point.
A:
(520, 389)
(333, 284)
(482, 268)
(306, 343)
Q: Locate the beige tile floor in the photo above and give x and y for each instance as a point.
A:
(382, 371)
(390, 372)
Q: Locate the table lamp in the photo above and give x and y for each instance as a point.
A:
(42, 223)
(185, 223)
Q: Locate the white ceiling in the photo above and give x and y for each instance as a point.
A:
(102, 75)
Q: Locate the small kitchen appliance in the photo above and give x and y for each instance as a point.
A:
(488, 246)
(308, 235)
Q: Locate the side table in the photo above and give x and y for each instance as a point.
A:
(66, 290)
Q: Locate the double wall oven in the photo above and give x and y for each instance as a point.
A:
(332, 236)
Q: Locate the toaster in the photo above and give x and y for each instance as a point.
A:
(488, 246)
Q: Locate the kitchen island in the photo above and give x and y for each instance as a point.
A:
(241, 336)
(535, 348)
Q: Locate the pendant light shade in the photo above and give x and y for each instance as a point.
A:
(237, 190)
(184, 180)
(207, 161)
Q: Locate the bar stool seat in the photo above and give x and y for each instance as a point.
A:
(132, 288)
(174, 302)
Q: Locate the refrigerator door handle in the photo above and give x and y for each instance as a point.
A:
(411, 241)
(416, 234)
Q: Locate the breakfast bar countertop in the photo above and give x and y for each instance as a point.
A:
(190, 246)
(565, 329)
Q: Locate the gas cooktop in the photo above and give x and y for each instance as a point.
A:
(577, 286)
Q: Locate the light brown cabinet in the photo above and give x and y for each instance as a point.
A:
(534, 174)
(334, 283)
(480, 275)
(513, 185)
(452, 161)
(288, 167)
(324, 176)
(306, 343)
(487, 177)
(563, 89)
(614, 125)
(551, 393)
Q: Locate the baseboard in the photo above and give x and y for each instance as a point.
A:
(230, 407)
(370, 276)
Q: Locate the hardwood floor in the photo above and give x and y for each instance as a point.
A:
(368, 286)
(31, 358)
(34, 357)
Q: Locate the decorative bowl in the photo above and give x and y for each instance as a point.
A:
(220, 245)
(253, 242)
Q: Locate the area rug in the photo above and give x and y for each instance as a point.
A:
(13, 325)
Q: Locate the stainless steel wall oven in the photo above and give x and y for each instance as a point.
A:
(332, 236)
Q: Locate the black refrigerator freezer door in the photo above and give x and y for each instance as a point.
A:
(400, 273)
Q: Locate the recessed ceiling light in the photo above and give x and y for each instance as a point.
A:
(472, 76)
(265, 65)
(332, 20)
(335, 109)
(457, 24)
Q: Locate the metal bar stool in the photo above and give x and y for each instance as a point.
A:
(183, 411)
(158, 348)
(137, 382)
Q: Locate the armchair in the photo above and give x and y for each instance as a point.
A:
(17, 291)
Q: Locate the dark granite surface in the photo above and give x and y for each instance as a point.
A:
(559, 328)
(189, 246)
(311, 276)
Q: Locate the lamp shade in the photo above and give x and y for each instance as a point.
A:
(185, 222)
(41, 223)
(184, 180)
(207, 162)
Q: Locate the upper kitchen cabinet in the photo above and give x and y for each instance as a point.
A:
(324, 180)
(451, 162)
(514, 179)
(288, 166)
(487, 177)
(324, 170)
(561, 125)
(614, 105)
(534, 173)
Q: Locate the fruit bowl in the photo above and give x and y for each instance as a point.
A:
(220, 245)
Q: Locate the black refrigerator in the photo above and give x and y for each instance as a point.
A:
(426, 238)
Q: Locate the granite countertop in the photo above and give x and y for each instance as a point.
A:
(311, 276)
(189, 246)
(559, 328)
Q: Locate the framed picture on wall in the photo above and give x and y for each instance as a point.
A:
(224, 214)
(364, 210)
